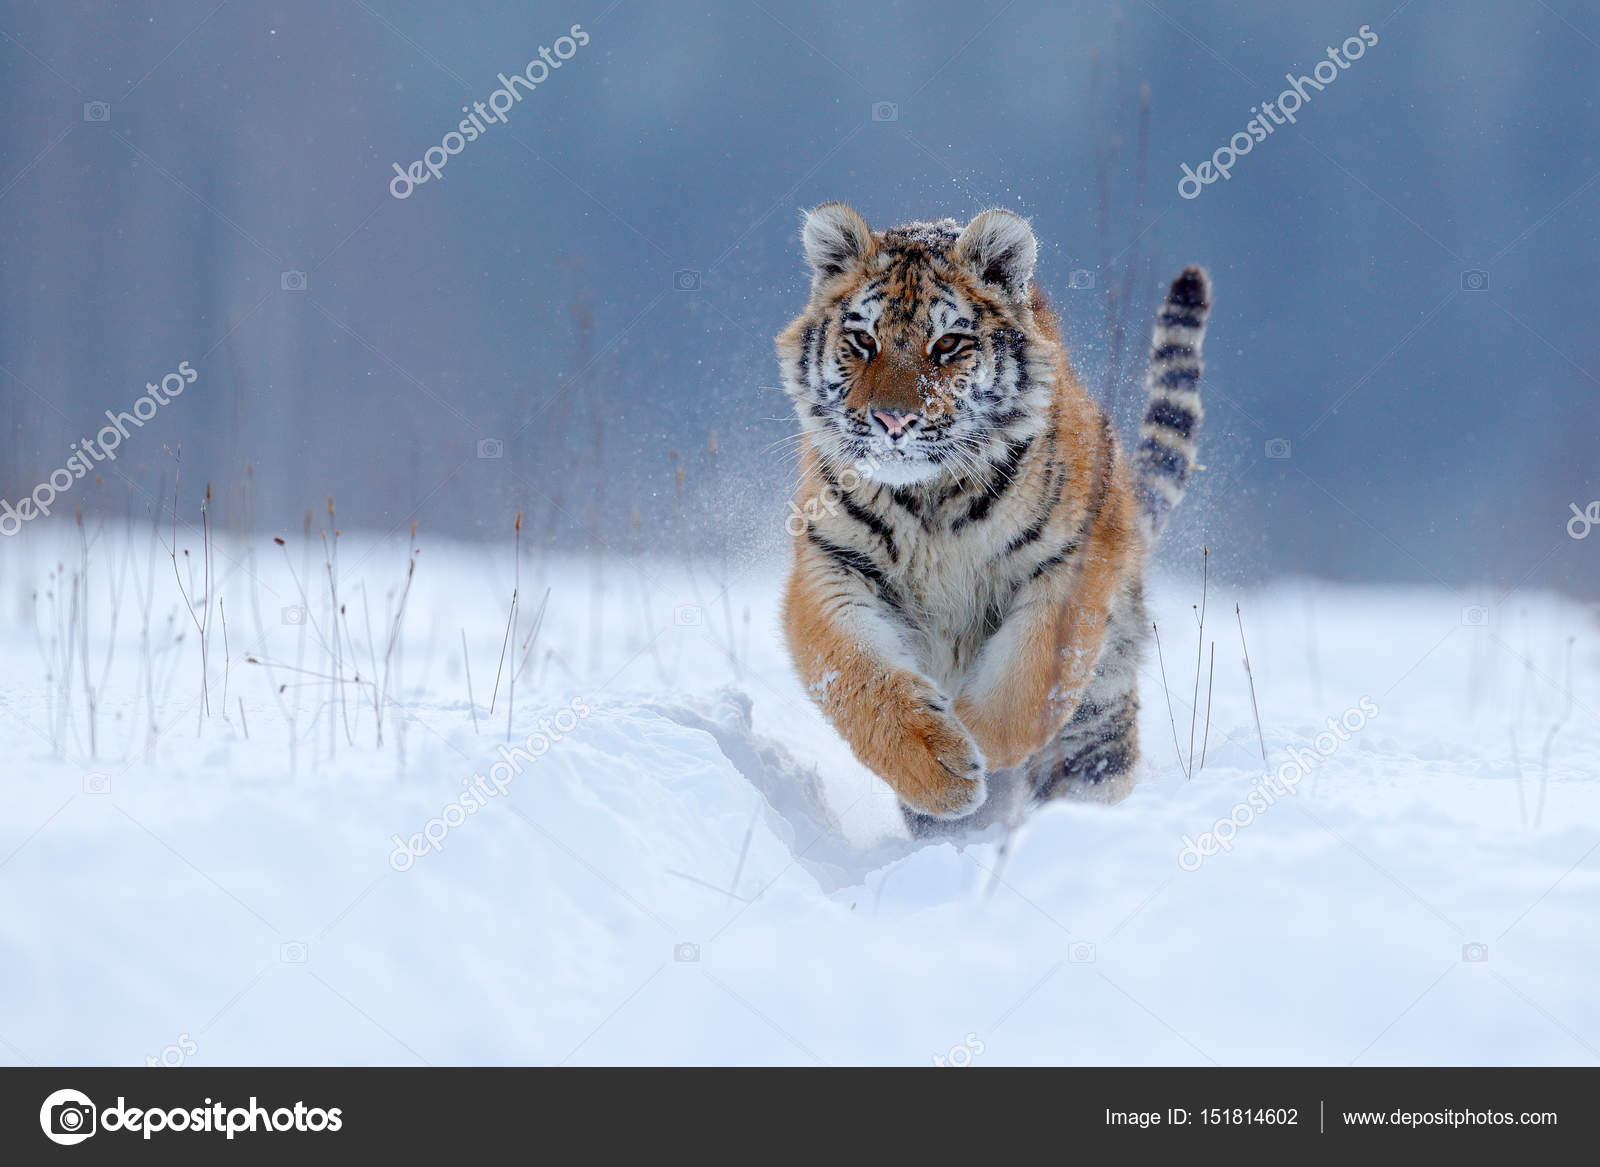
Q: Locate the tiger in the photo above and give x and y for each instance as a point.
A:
(965, 600)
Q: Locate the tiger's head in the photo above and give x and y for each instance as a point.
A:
(925, 350)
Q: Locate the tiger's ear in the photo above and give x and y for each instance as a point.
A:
(999, 247)
(835, 238)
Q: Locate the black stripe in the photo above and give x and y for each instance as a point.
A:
(1055, 560)
(805, 353)
(1056, 482)
(1172, 415)
(872, 523)
(818, 341)
(1167, 352)
(1183, 377)
(1188, 290)
(1162, 459)
(1104, 457)
(998, 484)
(1035, 529)
(1174, 319)
(856, 561)
(1109, 749)
(906, 500)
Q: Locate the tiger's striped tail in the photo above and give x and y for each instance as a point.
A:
(1166, 453)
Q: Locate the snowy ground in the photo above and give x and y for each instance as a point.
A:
(663, 884)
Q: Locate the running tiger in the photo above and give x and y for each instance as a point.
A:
(965, 604)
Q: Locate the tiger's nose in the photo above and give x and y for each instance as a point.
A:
(896, 421)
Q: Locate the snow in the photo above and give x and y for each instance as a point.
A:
(687, 866)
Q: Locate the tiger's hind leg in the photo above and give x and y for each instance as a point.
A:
(1095, 757)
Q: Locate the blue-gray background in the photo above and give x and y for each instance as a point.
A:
(1435, 431)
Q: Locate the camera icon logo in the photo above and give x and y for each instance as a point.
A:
(687, 616)
(97, 111)
(686, 953)
(491, 448)
(1081, 278)
(293, 281)
(293, 614)
(293, 952)
(1475, 616)
(1474, 281)
(885, 111)
(686, 280)
(1475, 953)
(1081, 953)
(67, 1117)
(1278, 448)
(97, 783)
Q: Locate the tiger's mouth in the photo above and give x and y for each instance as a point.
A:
(897, 461)
(907, 470)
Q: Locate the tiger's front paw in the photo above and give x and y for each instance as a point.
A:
(937, 768)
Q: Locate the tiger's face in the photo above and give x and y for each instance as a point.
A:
(919, 355)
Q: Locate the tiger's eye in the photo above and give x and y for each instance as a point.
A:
(946, 343)
(864, 339)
